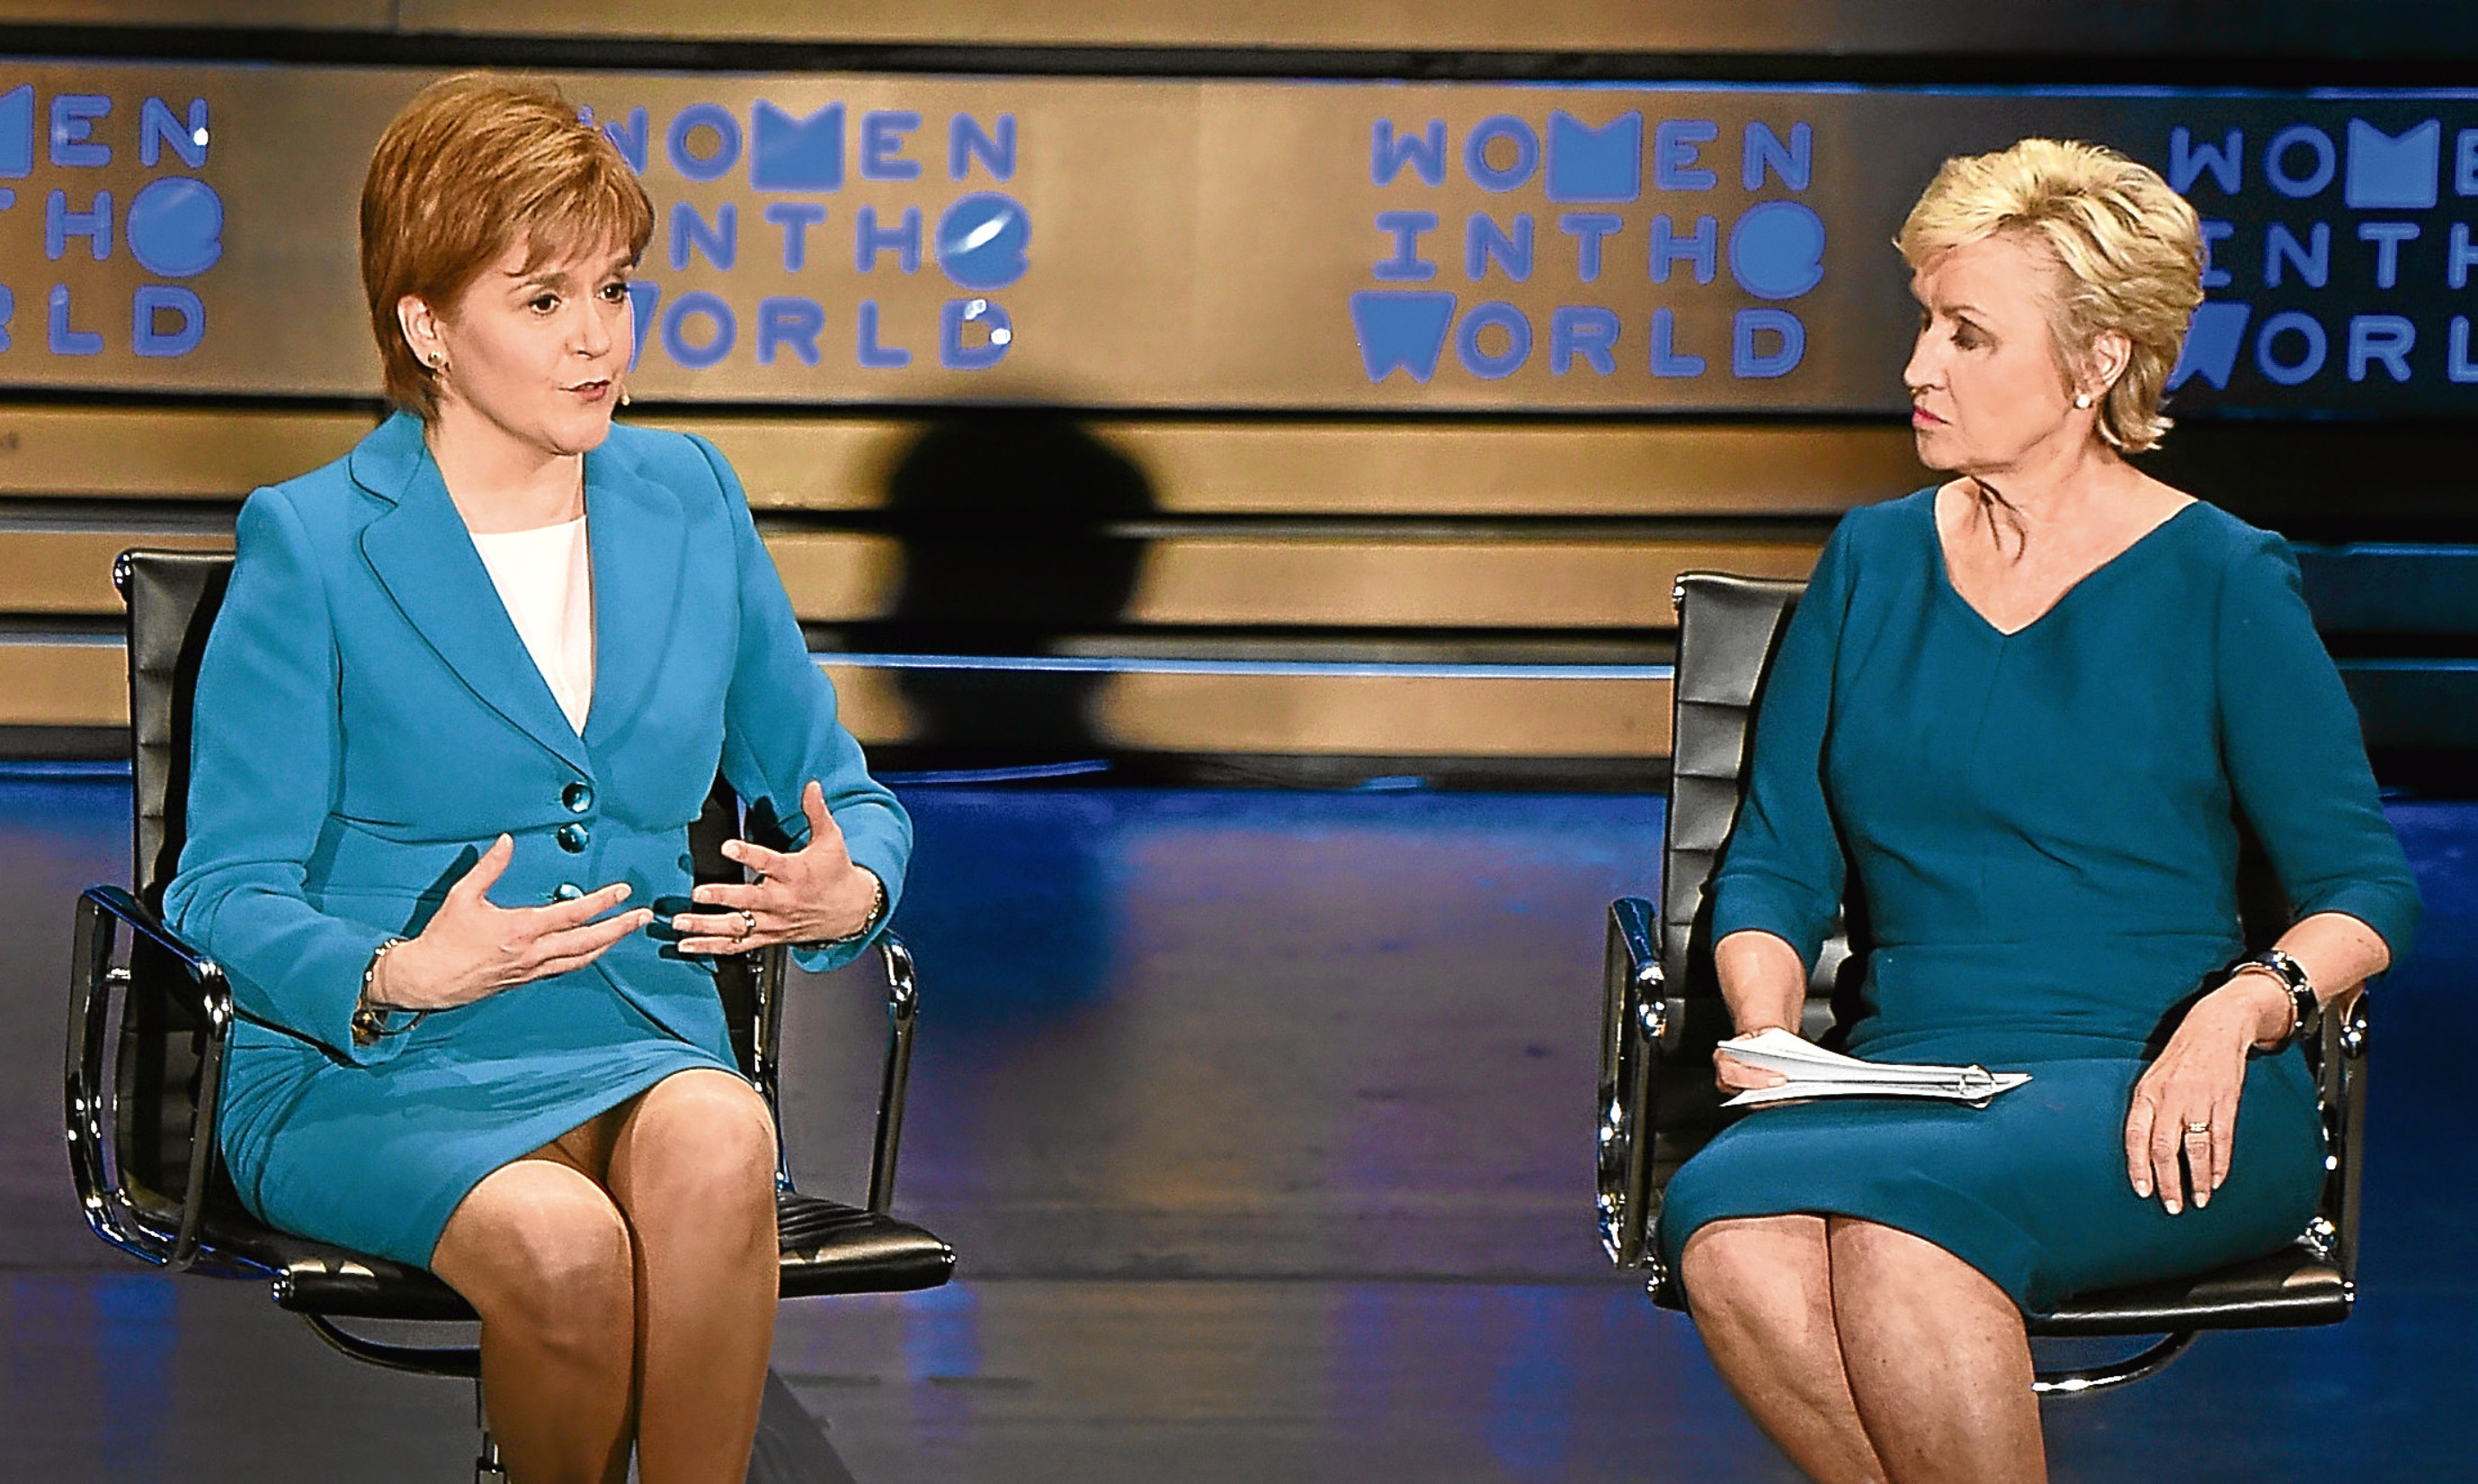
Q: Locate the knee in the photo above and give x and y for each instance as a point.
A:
(548, 1250)
(705, 1138)
(1749, 1262)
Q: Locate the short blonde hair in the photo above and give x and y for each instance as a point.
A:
(473, 164)
(2129, 250)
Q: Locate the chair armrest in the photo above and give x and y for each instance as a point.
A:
(1634, 1018)
(2335, 1044)
(92, 1099)
(902, 1008)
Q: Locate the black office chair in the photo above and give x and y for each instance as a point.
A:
(147, 1034)
(1663, 1015)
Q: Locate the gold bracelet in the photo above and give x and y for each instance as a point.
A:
(369, 1020)
(877, 909)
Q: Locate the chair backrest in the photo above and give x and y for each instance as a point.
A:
(173, 598)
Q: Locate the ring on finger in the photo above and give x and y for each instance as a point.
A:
(2203, 1129)
(747, 923)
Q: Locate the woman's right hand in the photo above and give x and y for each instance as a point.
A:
(471, 949)
(1737, 1077)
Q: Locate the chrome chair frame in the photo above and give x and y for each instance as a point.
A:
(1662, 1015)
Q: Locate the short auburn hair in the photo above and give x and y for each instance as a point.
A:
(2128, 249)
(475, 165)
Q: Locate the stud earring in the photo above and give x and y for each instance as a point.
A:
(2081, 399)
(623, 396)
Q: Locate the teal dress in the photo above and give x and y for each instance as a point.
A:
(367, 720)
(2040, 831)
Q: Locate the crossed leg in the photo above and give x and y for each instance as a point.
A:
(1871, 1356)
(625, 1276)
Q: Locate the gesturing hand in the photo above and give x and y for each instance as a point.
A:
(810, 896)
(471, 949)
(2186, 1106)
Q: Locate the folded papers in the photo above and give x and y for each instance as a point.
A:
(1815, 1073)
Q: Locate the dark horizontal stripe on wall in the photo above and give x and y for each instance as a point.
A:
(2401, 59)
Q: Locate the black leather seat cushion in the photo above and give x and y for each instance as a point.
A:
(2292, 1286)
(827, 1248)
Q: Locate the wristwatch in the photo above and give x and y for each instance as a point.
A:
(2303, 1002)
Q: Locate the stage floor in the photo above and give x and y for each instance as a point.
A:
(1262, 1122)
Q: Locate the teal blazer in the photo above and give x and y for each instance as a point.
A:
(368, 721)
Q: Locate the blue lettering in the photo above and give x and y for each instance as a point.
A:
(1748, 361)
(1587, 228)
(881, 145)
(157, 128)
(64, 340)
(1400, 329)
(1526, 153)
(8, 311)
(719, 243)
(1498, 314)
(795, 154)
(675, 338)
(870, 240)
(17, 132)
(2459, 367)
(794, 322)
(74, 117)
(873, 355)
(1674, 146)
(644, 296)
(2275, 162)
(2386, 236)
(2457, 261)
(2187, 163)
(1584, 331)
(1407, 266)
(2266, 358)
(1425, 153)
(60, 224)
(956, 356)
(965, 142)
(1665, 359)
(703, 168)
(149, 303)
(632, 139)
(2216, 232)
(2280, 245)
(1484, 241)
(795, 218)
(1703, 249)
(1794, 162)
(2385, 338)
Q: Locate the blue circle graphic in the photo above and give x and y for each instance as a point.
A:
(981, 241)
(176, 227)
(1777, 250)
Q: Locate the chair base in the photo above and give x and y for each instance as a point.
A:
(2082, 1381)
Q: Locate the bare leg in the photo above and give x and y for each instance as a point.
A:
(1936, 1360)
(693, 1167)
(1761, 1289)
(542, 1255)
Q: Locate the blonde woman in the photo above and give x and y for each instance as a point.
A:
(2018, 716)
(468, 689)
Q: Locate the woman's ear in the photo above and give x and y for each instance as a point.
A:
(2106, 361)
(420, 326)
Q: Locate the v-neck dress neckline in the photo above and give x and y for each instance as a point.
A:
(1944, 572)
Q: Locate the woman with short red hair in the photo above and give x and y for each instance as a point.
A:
(468, 689)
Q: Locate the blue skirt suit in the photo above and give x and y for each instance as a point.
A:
(368, 721)
(2041, 830)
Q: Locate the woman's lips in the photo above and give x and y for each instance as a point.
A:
(591, 391)
(1921, 417)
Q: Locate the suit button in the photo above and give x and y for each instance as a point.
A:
(567, 892)
(577, 796)
(573, 837)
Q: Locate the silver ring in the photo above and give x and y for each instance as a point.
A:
(2204, 1127)
(748, 924)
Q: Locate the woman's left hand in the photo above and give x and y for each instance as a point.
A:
(2184, 1111)
(810, 896)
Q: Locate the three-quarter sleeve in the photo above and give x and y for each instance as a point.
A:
(1781, 869)
(780, 728)
(263, 755)
(2296, 761)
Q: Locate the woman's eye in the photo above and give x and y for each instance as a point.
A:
(614, 293)
(543, 304)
